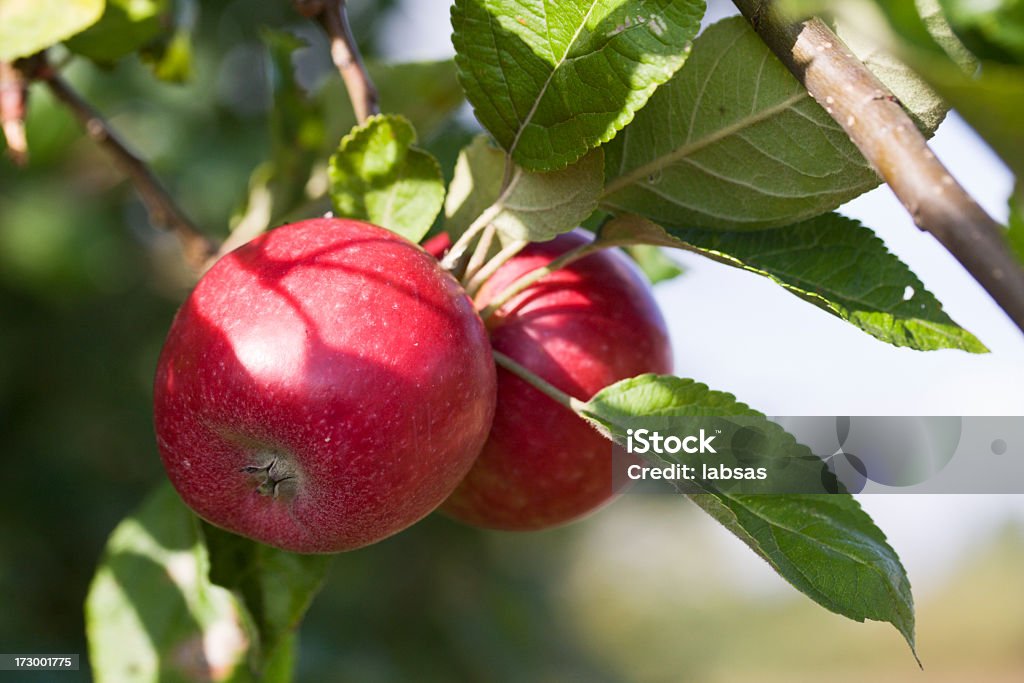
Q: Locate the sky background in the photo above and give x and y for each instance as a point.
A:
(740, 333)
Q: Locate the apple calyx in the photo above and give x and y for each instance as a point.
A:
(277, 478)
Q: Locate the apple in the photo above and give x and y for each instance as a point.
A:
(323, 387)
(580, 328)
(437, 245)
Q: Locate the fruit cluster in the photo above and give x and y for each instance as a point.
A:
(329, 384)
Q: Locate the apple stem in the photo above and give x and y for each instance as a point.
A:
(489, 268)
(483, 247)
(534, 275)
(537, 383)
(456, 256)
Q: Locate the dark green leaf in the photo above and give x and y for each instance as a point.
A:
(822, 544)
(992, 30)
(551, 79)
(732, 142)
(28, 26)
(826, 547)
(378, 175)
(834, 263)
(126, 25)
(152, 613)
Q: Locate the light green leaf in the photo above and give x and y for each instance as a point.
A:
(825, 545)
(475, 185)
(732, 142)
(171, 56)
(276, 587)
(378, 175)
(126, 25)
(171, 60)
(28, 26)
(534, 206)
(831, 261)
(152, 613)
(656, 265)
(551, 79)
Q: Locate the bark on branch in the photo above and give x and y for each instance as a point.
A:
(333, 16)
(889, 140)
(163, 211)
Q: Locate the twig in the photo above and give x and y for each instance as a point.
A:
(333, 16)
(197, 248)
(492, 266)
(13, 94)
(536, 274)
(545, 387)
(889, 140)
(480, 252)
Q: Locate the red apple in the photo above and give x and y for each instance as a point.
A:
(580, 328)
(437, 245)
(323, 387)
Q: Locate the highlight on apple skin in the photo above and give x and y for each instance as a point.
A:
(323, 387)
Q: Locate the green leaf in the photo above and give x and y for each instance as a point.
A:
(992, 30)
(378, 175)
(475, 184)
(656, 265)
(534, 206)
(826, 546)
(126, 25)
(277, 587)
(171, 60)
(28, 26)
(151, 612)
(831, 261)
(925, 106)
(551, 79)
(170, 56)
(989, 95)
(742, 437)
(1016, 234)
(990, 102)
(732, 142)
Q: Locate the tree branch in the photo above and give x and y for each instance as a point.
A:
(333, 16)
(13, 94)
(889, 140)
(163, 212)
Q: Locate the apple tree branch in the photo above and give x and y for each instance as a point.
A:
(197, 248)
(896, 149)
(332, 15)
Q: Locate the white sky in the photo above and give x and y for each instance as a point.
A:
(738, 332)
